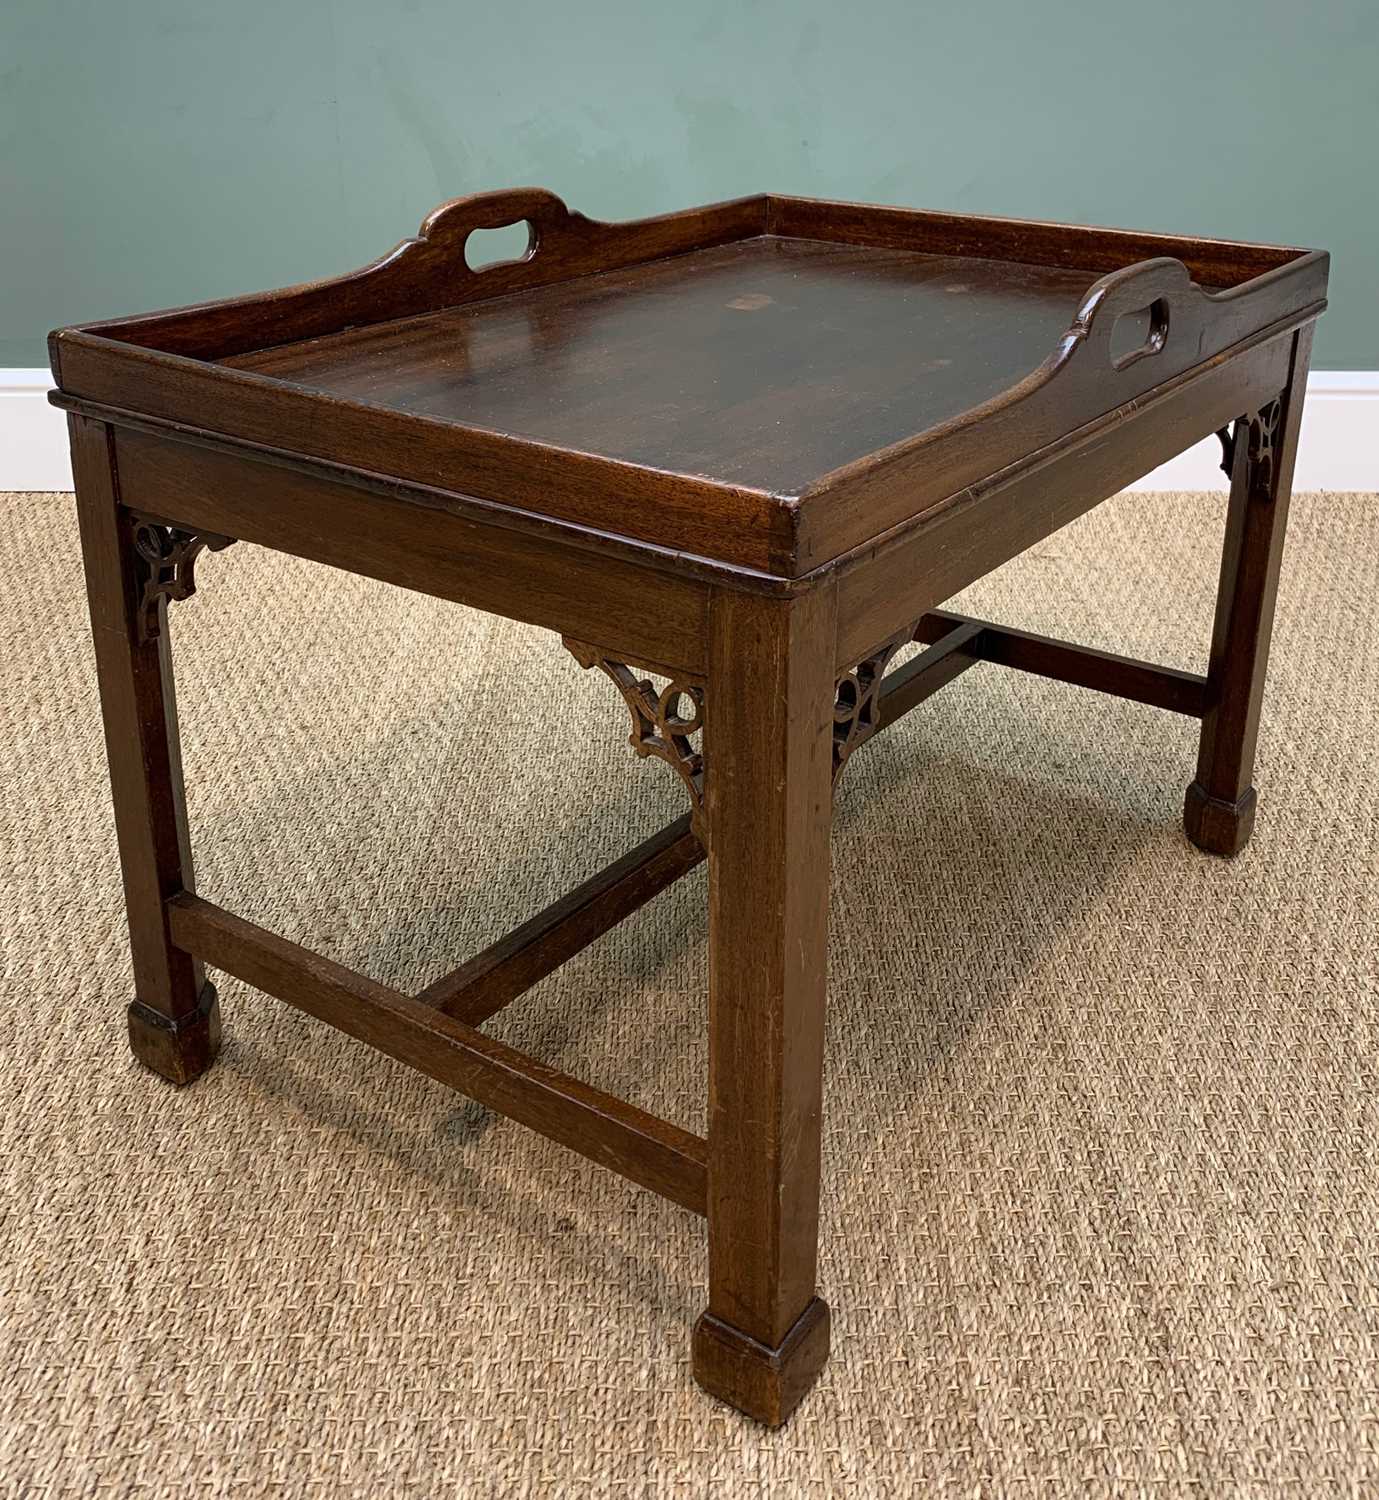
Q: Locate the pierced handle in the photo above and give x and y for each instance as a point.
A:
(448, 227)
(1158, 294)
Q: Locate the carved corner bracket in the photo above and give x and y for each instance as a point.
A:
(165, 558)
(856, 703)
(1262, 430)
(662, 725)
(663, 720)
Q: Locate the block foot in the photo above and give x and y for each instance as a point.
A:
(180, 1050)
(767, 1384)
(1218, 827)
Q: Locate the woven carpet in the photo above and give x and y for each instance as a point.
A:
(1101, 1196)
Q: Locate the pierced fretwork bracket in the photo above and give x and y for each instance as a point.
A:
(662, 724)
(1262, 429)
(166, 562)
(856, 707)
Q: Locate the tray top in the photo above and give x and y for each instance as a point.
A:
(763, 384)
(766, 363)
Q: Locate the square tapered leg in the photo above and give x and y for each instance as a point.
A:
(174, 1020)
(1219, 812)
(768, 736)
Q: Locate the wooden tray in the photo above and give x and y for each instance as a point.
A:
(767, 383)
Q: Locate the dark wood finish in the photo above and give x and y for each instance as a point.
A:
(1219, 811)
(178, 1048)
(1084, 666)
(582, 365)
(768, 741)
(1079, 381)
(494, 978)
(429, 272)
(766, 1382)
(750, 449)
(174, 1019)
(653, 1152)
(1033, 242)
(485, 513)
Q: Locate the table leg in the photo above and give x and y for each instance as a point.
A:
(768, 764)
(174, 1020)
(1220, 808)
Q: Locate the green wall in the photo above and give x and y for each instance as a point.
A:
(162, 151)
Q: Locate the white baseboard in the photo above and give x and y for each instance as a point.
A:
(1338, 450)
(33, 435)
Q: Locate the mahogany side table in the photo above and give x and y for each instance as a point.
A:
(747, 451)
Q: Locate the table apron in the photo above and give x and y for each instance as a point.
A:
(643, 613)
(883, 588)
